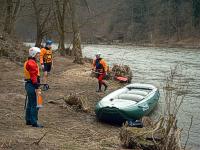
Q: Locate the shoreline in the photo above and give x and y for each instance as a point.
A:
(181, 44)
(160, 45)
(67, 127)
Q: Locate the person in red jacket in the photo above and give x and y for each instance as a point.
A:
(100, 67)
(32, 78)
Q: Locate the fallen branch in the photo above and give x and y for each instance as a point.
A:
(38, 141)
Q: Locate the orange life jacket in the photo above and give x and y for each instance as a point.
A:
(100, 65)
(26, 72)
(45, 56)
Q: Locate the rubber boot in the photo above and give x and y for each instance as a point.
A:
(37, 125)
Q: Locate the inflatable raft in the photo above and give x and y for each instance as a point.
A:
(128, 103)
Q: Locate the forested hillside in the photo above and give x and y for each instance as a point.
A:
(157, 21)
(133, 21)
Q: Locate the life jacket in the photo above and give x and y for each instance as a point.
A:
(100, 65)
(47, 55)
(26, 72)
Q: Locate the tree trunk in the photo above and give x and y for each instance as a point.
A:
(2, 14)
(77, 48)
(38, 40)
(59, 13)
(8, 18)
(39, 35)
(76, 33)
(41, 21)
(62, 44)
(12, 9)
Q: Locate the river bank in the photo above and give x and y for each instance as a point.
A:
(152, 65)
(149, 65)
(192, 43)
(65, 127)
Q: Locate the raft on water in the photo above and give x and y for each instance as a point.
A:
(129, 103)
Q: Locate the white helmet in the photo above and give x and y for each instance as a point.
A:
(98, 54)
(33, 51)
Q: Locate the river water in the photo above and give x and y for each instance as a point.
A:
(151, 65)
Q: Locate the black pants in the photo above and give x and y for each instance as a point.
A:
(47, 67)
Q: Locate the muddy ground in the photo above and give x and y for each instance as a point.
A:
(64, 127)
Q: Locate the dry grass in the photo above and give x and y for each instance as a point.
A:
(78, 102)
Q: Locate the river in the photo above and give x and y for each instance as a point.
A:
(151, 65)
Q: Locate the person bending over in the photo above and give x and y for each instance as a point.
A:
(100, 67)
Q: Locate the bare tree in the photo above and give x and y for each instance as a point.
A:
(76, 34)
(2, 13)
(59, 13)
(12, 9)
(42, 16)
(175, 15)
(65, 10)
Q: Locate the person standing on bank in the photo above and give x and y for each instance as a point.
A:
(100, 67)
(32, 78)
(46, 60)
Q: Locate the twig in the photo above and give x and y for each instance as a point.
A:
(71, 128)
(38, 141)
(80, 92)
(154, 141)
(188, 133)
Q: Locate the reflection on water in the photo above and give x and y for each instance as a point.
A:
(151, 65)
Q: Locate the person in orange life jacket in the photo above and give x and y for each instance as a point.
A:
(101, 68)
(46, 60)
(32, 78)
